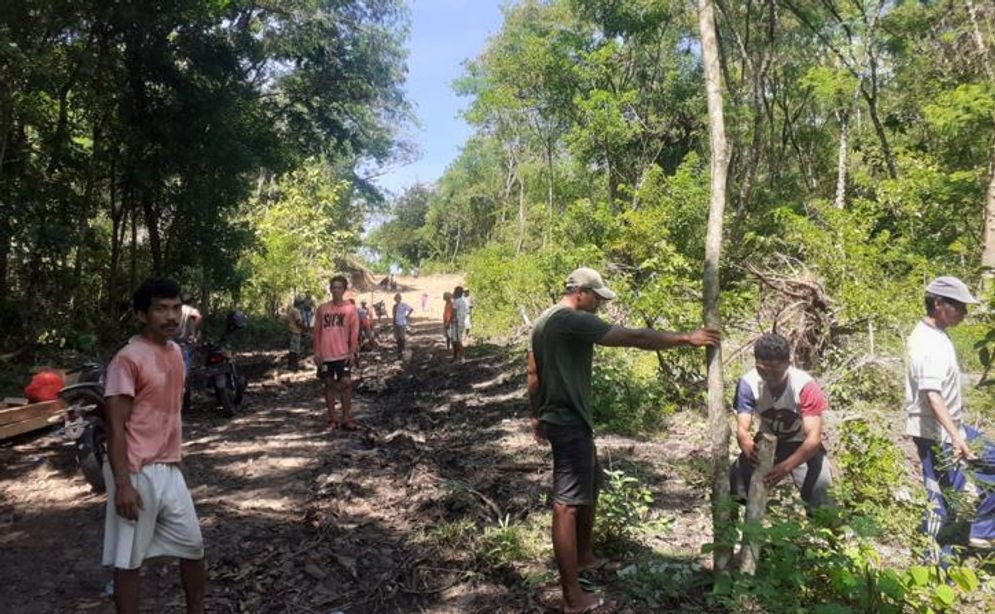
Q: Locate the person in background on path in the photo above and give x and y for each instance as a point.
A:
(295, 330)
(789, 405)
(457, 329)
(307, 312)
(150, 512)
(188, 334)
(367, 335)
(469, 312)
(948, 449)
(559, 385)
(424, 301)
(400, 315)
(336, 341)
(447, 317)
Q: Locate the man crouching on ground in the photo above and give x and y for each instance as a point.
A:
(559, 383)
(149, 509)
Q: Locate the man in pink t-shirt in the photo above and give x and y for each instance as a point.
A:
(336, 341)
(789, 405)
(150, 512)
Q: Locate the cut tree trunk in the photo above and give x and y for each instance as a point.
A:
(756, 504)
(717, 421)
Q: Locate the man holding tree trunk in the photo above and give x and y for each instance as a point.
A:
(559, 384)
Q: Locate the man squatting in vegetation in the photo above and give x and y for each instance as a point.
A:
(336, 341)
(149, 509)
(559, 384)
(790, 405)
(934, 418)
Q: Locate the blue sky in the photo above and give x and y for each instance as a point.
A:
(444, 33)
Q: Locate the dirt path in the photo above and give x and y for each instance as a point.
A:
(388, 519)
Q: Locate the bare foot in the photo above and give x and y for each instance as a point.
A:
(589, 602)
(331, 425)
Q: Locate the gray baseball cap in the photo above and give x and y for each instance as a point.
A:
(951, 288)
(590, 279)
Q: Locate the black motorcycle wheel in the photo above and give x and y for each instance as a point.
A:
(91, 447)
(226, 398)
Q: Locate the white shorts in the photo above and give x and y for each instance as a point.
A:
(167, 524)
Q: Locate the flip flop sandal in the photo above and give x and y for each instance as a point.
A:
(594, 607)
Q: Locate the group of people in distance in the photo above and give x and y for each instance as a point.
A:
(457, 317)
(786, 401)
(150, 512)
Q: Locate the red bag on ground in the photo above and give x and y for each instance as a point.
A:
(44, 386)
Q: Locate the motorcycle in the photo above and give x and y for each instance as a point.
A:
(84, 421)
(216, 370)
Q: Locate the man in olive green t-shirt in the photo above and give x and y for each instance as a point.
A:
(559, 382)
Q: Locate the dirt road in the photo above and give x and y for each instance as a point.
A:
(299, 520)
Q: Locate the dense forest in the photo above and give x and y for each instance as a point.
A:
(203, 139)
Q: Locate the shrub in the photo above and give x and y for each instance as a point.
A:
(623, 511)
(873, 488)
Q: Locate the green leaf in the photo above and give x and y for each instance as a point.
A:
(919, 575)
(945, 595)
(964, 577)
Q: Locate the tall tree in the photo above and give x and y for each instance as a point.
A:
(718, 422)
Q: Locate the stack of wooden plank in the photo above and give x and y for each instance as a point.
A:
(17, 418)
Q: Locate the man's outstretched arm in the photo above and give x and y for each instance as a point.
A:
(650, 339)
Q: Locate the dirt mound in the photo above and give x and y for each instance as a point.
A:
(360, 278)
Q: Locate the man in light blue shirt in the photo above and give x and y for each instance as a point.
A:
(402, 311)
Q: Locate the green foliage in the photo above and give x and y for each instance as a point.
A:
(658, 582)
(510, 543)
(302, 226)
(625, 398)
(400, 239)
(623, 511)
(131, 139)
(873, 489)
(806, 566)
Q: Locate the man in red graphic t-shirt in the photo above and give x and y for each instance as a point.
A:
(788, 404)
(336, 341)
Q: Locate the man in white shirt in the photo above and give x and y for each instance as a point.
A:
(935, 412)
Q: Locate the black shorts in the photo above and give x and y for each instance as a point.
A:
(337, 370)
(577, 475)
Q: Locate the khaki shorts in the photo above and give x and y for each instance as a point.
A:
(167, 524)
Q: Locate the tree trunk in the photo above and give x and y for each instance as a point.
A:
(117, 213)
(988, 253)
(4, 255)
(152, 226)
(549, 192)
(756, 504)
(522, 212)
(133, 269)
(717, 421)
(844, 119)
